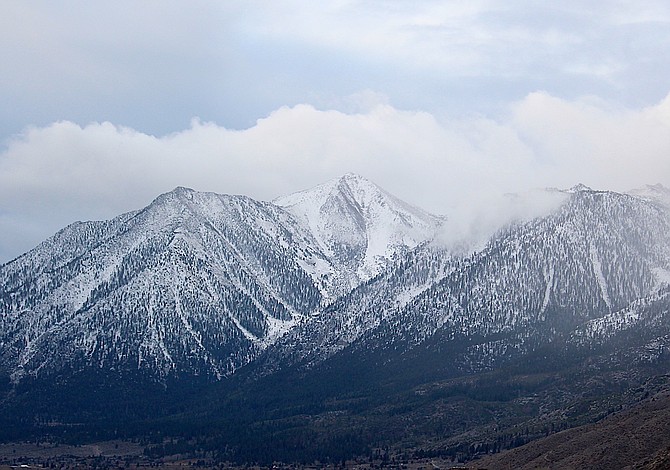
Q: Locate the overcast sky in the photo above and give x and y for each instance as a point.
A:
(105, 105)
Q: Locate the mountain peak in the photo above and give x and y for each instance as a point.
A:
(178, 193)
(349, 184)
(346, 183)
(359, 223)
(362, 191)
(182, 189)
(354, 178)
(579, 188)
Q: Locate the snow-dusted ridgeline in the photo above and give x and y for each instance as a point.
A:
(196, 283)
(597, 253)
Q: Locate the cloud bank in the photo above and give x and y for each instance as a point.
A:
(51, 176)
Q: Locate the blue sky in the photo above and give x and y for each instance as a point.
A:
(446, 104)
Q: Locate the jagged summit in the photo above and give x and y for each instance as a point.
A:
(359, 224)
(179, 191)
(354, 179)
(182, 190)
(359, 189)
(579, 188)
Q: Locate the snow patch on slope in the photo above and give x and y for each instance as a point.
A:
(547, 293)
(609, 325)
(598, 271)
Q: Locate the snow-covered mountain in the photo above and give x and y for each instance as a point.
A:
(339, 320)
(597, 254)
(195, 283)
(201, 283)
(359, 225)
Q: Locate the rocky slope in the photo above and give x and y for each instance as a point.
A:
(634, 439)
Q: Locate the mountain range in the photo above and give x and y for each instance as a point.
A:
(196, 283)
(340, 312)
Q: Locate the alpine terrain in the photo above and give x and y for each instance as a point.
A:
(196, 284)
(336, 324)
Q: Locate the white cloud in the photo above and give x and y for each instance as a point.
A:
(602, 145)
(53, 175)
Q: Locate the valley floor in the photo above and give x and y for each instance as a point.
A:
(635, 438)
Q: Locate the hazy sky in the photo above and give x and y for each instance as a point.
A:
(105, 105)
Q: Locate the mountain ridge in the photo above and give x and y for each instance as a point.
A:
(586, 260)
(213, 278)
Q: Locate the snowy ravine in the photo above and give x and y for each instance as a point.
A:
(195, 284)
